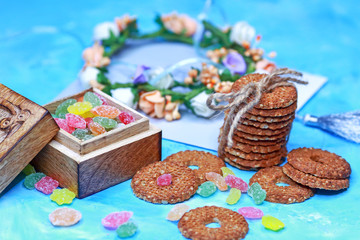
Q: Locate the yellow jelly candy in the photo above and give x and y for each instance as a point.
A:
(62, 196)
(272, 223)
(234, 196)
(88, 115)
(226, 171)
(79, 108)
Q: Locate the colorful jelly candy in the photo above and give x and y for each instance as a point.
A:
(61, 110)
(93, 99)
(46, 185)
(32, 179)
(81, 133)
(126, 118)
(164, 180)
(105, 122)
(236, 182)
(103, 100)
(62, 196)
(257, 193)
(115, 219)
(177, 212)
(226, 171)
(29, 169)
(75, 121)
(251, 212)
(106, 111)
(64, 217)
(79, 108)
(206, 189)
(88, 120)
(218, 180)
(272, 223)
(88, 114)
(62, 123)
(126, 230)
(234, 196)
(96, 128)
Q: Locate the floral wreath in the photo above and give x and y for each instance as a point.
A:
(230, 53)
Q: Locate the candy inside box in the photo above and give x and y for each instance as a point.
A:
(87, 167)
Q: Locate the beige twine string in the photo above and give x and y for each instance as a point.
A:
(239, 101)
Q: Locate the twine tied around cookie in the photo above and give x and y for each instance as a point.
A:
(240, 101)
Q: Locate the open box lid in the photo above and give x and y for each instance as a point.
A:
(25, 129)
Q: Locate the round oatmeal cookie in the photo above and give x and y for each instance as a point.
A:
(183, 183)
(232, 224)
(278, 112)
(247, 148)
(319, 163)
(239, 166)
(269, 177)
(263, 119)
(252, 137)
(259, 143)
(262, 132)
(279, 97)
(255, 156)
(313, 181)
(269, 126)
(206, 162)
(251, 164)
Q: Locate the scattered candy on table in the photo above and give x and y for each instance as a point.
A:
(234, 196)
(29, 169)
(32, 179)
(251, 212)
(164, 180)
(64, 217)
(177, 212)
(226, 171)
(218, 180)
(126, 230)
(257, 193)
(272, 223)
(236, 182)
(46, 185)
(62, 196)
(115, 219)
(206, 189)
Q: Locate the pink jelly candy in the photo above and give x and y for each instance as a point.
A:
(164, 180)
(106, 111)
(251, 212)
(88, 121)
(115, 219)
(104, 102)
(236, 182)
(46, 185)
(62, 123)
(126, 118)
(75, 121)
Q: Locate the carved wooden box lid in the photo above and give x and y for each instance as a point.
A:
(25, 128)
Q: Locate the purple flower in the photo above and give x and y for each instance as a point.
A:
(140, 77)
(235, 63)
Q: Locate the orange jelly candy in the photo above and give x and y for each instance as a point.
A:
(218, 180)
(96, 128)
(106, 111)
(64, 217)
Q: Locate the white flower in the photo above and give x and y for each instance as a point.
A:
(242, 32)
(125, 96)
(165, 82)
(87, 75)
(102, 30)
(199, 105)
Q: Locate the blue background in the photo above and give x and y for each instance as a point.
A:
(40, 54)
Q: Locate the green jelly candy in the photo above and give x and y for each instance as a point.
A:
(87, 137)
(272, 223)
(93, 99)
(32, 179)
(126, 230)
(61, 110)
(105, 122)
(29, 169)
(81, 133)
(257, 193)
(206, 189)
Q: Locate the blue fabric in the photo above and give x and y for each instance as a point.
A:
(319, 37)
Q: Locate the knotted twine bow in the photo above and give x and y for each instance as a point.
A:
(240, 102)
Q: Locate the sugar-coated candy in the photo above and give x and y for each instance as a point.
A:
(206, 189)
(115, 219)
(93, 99)
(81, 133)
(46, 185)
(236, 182)
(234, 196)
(106, 111)
(79, 108)
(103, 100)
(64, 217)
(126, 230)
(251, 212)
(226, 171)
(272, 223)
(88, 114)
(29, 169)
(61, 110)
(217, 179)
(105, 122)
(75, 121)
(88, 120)
(96, 128)
(257, 193)
(32, 179)
(164, 180)
(62, 123)
(126, 118)
(62, 196)
(177, 212)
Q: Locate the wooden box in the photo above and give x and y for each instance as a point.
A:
(25, 128)
(87, 167)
